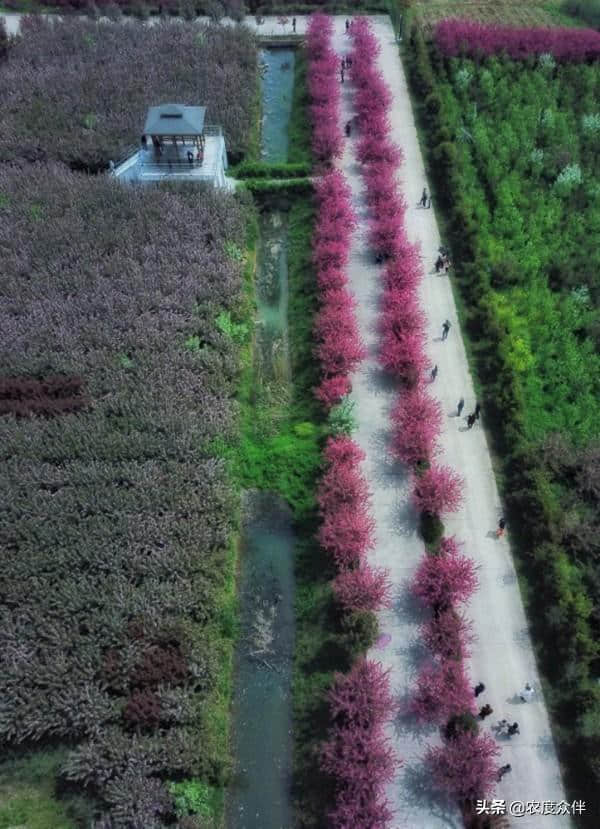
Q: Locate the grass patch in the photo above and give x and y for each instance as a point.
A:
(29, 796)
(299, 134)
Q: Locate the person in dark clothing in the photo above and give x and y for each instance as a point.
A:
(485, 711)
(190, 156)
(470, 421)
(503, 770)
(294, 25)
(445, 329)
(513, 729)
(459, 408)
(348, 61)
(347, 25)
(477, 411)
(439, 263)
(348, 128)
(424, 198)
(479, 689)
(342, 74)
(434, 373)
(501, 528)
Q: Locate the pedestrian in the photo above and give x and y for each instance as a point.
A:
(342, 74)
(459, 408)
(347, 25)
(470, 421)
(190, 156)
(348, 128)
(485, 711)
(503, 770)
(502, 726)
(445, 329)
(434, 372)
(424, 198)
(477, 411)
(439, 263)
(479, 689)
(446, 262)
(501, 528)
(348, 61)
(513, 729)
(294, 25)
(527, 693)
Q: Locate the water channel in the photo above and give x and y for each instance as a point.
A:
(260, 794)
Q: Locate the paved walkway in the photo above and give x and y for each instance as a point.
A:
(502, 657)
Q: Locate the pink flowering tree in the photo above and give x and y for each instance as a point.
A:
(347, 533)
(417, 419)
(364, 588)
(402, 354)
(448, 635)
(362, 697)
(443, 690)
(438, 491)
(357, 754)
(444, 580)
(465, 767)
(332, 389)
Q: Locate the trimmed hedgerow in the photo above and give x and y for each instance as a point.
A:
(116, 522)
(78, 90)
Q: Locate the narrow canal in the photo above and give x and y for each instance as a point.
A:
(260, 795)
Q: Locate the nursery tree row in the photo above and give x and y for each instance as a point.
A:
(116, 519)
(514, 146)
(78, 91)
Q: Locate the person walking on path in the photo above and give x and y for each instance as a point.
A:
(485, 711)
(503, 770)
(348, 128)
(347, 25)
(477, 411)
(513, 729)
(439, 263)
(424, 198)
(527, 693)
(470, 421)
(445, 329)
(478, 689)
(460, 407)
(501, 525)
(294, 25)
(434, 372)
(342, 73)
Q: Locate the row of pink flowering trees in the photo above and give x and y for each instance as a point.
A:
(356, 753)
(464, 765)
(323, 89)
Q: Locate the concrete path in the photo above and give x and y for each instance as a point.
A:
(502, 657)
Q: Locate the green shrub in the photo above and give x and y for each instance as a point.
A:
(341, 418)
(193, 797)
(276, 170)
(432, 529)
(461, 724)
(360, 630)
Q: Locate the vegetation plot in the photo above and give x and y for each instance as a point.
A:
(515, 152)
(116, 629)
(78, 91)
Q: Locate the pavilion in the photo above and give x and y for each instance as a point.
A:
(176, 144)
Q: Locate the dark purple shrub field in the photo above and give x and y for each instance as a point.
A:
(78, 91)
(116, 519)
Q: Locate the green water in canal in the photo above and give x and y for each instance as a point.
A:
(260, 794)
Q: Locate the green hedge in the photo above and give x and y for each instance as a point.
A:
(294, 185)
(277, 170)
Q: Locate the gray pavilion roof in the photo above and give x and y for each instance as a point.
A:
(174, 119)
